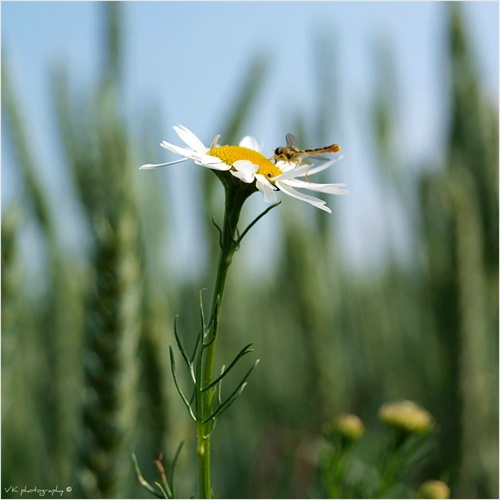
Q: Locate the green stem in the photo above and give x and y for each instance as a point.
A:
(204, 400)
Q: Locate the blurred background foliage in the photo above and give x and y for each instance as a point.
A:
(85, 371)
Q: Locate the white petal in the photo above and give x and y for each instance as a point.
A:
(211, 162)
(150, 166)
(291, 170)
(215, 142)
(245, 166)
(244, 177)
(261, 179)
(188, 153)
(245, 170)
(323, 166)
(199, 158)
(298, 170)
(321, 204)
(190, 139)
(320, 188)
(266, 188)
(286, 166)
(251, 143)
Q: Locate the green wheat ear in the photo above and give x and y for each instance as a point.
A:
(114, 298)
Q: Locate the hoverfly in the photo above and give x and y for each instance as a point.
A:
(291, 153)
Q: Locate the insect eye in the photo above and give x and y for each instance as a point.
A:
(278, 151)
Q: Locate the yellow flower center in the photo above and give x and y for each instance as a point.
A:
(231, 154)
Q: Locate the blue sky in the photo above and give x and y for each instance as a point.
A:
(187, 60)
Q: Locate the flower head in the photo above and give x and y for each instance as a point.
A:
(348, 426)
(406, 416)
(249, 165)
(434, 489)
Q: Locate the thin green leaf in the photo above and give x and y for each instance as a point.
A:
(230, 400)
(166, 489)
(212, 427)
(165, 494)
(141, 479)
(202, 312)
(212, 325)
(193, 395)
(218, 229)
(244, 351)
(179, 343)
(196, 358)
(176, 382)
(196, 347)
(256, 220)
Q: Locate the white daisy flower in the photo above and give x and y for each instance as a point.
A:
(248, 164)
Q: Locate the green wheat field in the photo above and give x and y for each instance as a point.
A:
(86, 377)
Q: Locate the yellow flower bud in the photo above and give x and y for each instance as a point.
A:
(434, 489)
(349, 427)
(406, 416)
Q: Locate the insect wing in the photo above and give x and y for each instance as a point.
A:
(291, 141)
(315, 157)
